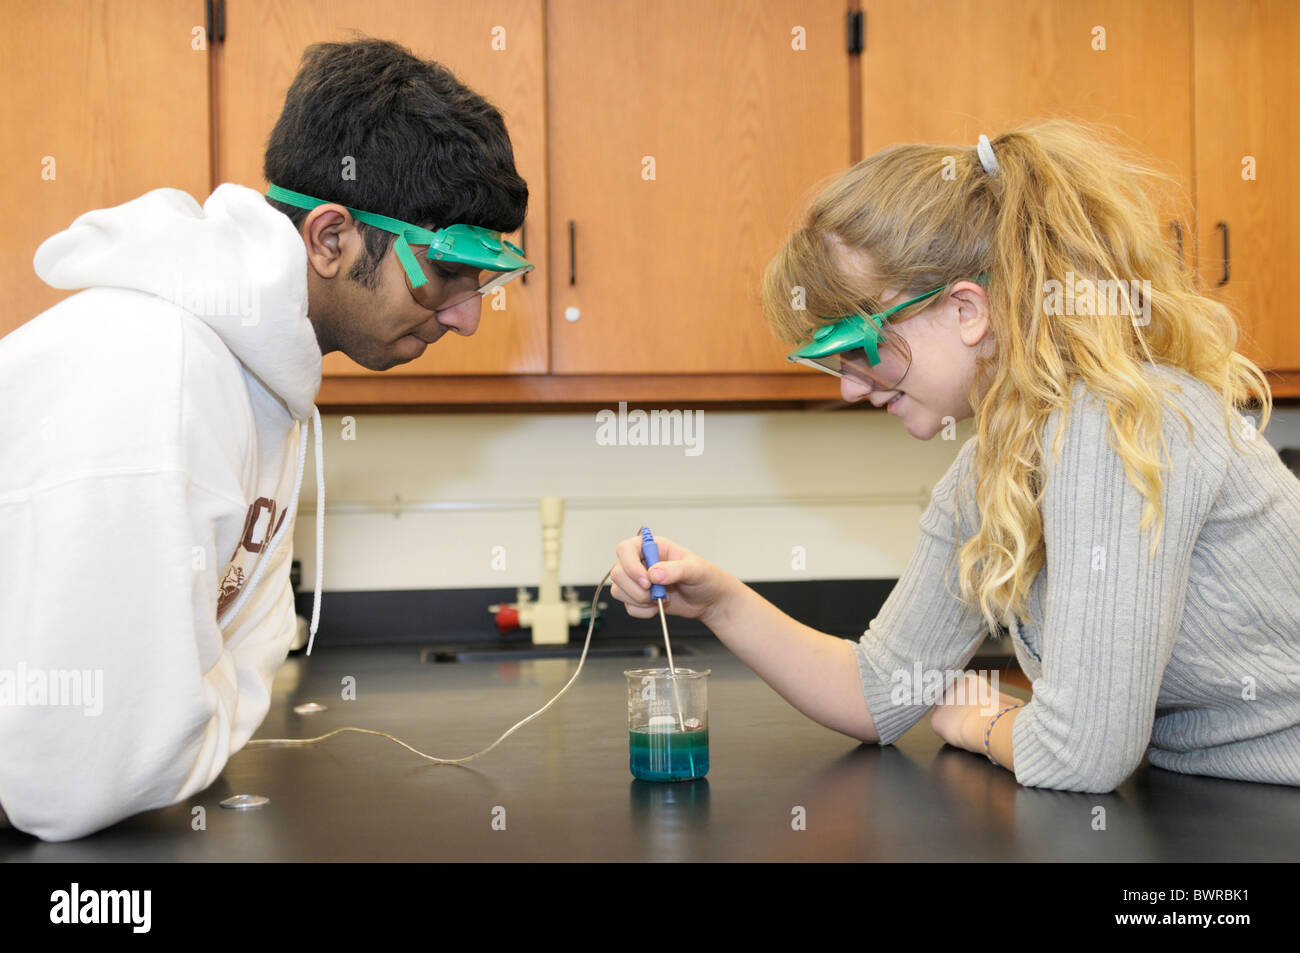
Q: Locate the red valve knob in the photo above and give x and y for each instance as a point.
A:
(507, 619)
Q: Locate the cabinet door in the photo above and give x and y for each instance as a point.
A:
(946, 71)
(1247, 140)
(101, 103)
(683, 135)
(263, 46)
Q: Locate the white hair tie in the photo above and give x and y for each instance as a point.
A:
(987, 158)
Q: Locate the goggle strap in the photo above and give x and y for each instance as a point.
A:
(870, 342)
(414, 273)
(290, 197)
(405, 231)
(906, 304)
(407, 234)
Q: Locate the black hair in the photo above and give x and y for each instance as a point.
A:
(425, 148)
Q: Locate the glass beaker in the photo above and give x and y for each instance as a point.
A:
(668, 723)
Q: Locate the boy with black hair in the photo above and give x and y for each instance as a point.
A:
(153, 443)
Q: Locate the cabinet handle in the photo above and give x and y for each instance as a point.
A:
(573, 268)
(1223, 227)
(523, 243)
(1177, 226)
(214, 15)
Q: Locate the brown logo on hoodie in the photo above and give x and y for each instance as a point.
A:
(252, 542)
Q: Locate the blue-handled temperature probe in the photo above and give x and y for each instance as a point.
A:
(650, 554)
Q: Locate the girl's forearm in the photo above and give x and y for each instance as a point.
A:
(815, 672)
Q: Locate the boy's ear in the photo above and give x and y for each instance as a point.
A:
(324, 233)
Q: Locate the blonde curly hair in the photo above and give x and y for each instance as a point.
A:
(1068, 200)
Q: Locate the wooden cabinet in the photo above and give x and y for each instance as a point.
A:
(102, 101)
(683, 134)
(493, 46)
(669, 147)
(1247, 140)
(948, 70)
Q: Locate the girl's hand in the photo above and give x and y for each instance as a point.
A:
(962, 725)
(695, 586)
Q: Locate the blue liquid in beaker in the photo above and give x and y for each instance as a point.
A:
(672, 755)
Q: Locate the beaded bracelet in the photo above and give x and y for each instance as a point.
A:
(988, 729)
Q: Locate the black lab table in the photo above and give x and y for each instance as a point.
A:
(559, 789)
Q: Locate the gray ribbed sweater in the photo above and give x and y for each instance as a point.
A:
(1129, 655)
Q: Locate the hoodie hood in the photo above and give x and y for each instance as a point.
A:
(235, 263)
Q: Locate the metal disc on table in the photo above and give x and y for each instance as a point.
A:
(242, 802)
(308, 709)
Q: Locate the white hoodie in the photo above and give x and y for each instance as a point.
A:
(151, 441)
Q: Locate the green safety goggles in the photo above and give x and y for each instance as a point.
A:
(851, 332)
(471, 245)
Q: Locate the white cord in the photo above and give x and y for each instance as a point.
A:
(591, 625)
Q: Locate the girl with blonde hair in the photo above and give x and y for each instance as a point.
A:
(1114, 510)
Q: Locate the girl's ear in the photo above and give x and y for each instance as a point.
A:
(972, 312)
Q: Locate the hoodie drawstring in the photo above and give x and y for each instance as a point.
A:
(320, 529)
